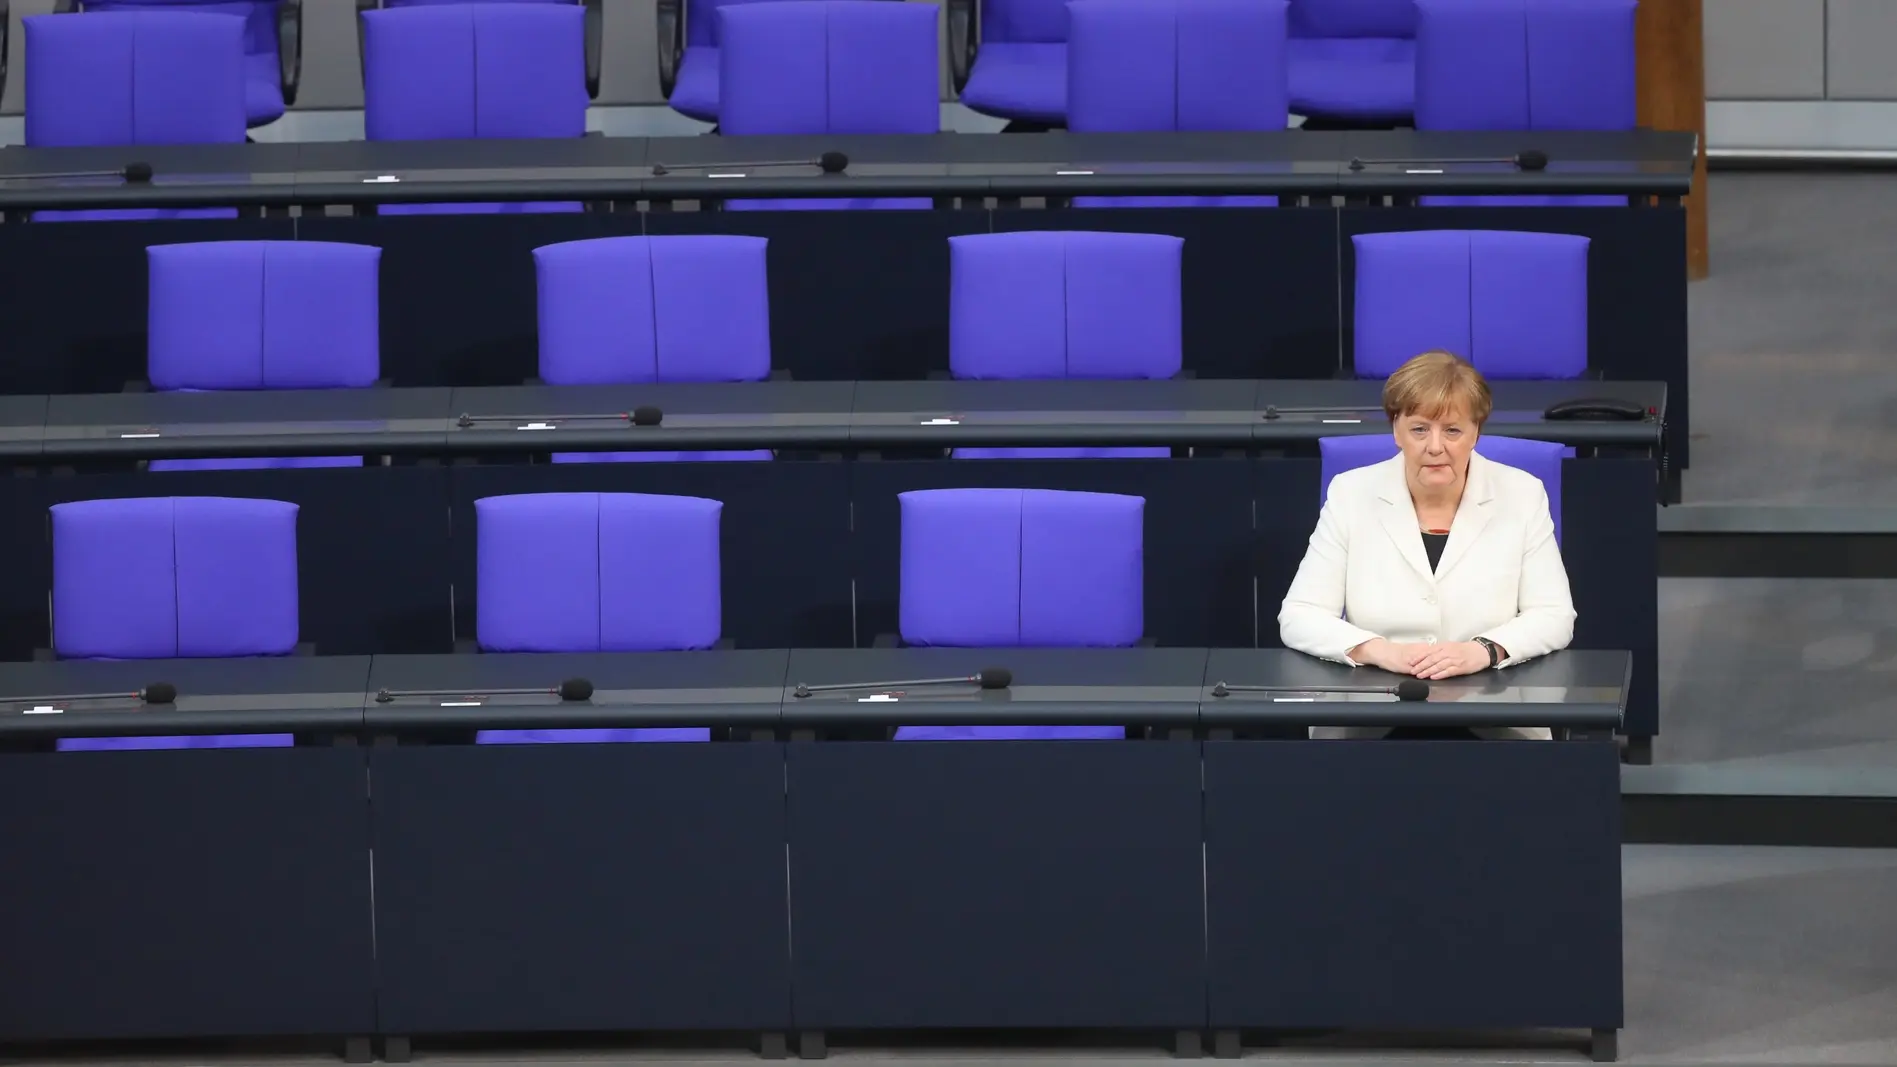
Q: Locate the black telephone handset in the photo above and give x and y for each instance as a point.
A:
(1596, 409)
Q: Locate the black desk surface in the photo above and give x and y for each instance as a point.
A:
(717, 688)
(262, 695)
(771, 414)
(1575, 688)
(1062, 686)
(946, 164)
(1052, 686)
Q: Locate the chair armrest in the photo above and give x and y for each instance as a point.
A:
(964, 39)
(65, 7)
(670, 24)
(595, 33)
(6, 38)
(290, 48)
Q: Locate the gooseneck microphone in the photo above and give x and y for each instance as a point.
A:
(155, 693)
(829, 163)
(1531, 160)
(571, 690)
(1408, 690)
(1273, 411)
(136, 173)
(989, 678)
(643, 415)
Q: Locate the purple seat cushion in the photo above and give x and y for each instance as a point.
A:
(1175, 201)
(1011, 733)
(1357, 78)
(166, 744)
(1061, 453)
(253, 464)
(1019, 80)
(695, 91)
(594, 737)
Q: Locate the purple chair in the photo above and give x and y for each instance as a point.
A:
(1525, 65)
(828, 66)
(1064, 304)
(170, 577)
(1512, 303)
(1021, 568)
(1164, 65)
(594, 14)
(474, 71)
(654, 309)
(273, 44)
(262, 315)
(1353, 61)
(596, 572)
(134, 78)
(1539, 458)
(1009, 58)
(1061, 453)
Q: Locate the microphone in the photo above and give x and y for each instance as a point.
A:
(155, 693)
(1531, 159)
(643, 415)
(1409, 690)
(571, 690)
(1272, 411)
(136, 173)
(989, 678)
(829, 163)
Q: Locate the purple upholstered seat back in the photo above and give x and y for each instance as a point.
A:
(488, 70)
(597, 572)
(263, 71)
(828, 66)
(158, 577)
(1512, 303)
(1065, 304)
(654, 309)
(1021, 567)
(1159, 452)
(134, 78)
(1353, 58)
(1163, 65)
(456, 71)
(1021, 69)
(263, 315)
(743, 455)
(1525, 65)
(1148, 65)
(1539, 458)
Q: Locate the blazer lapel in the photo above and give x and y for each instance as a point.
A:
(1398, 518)
(1474, 513)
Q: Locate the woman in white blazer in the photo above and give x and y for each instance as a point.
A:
(1437, 562)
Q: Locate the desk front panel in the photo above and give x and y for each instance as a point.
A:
(581, 887)
(186, 893)
(1413, 884)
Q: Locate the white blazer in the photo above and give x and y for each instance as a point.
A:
(1367, 575)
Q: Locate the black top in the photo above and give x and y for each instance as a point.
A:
(1433, 544)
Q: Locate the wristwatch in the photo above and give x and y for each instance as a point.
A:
(1495, 651)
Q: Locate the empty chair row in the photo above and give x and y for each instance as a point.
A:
(1067, 304)
(166, 577)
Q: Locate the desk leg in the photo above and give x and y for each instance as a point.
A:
(1639, 751)
(1188, 1045)
(1604, 1046)
(397, 1050)
(772, 1046)
(1227, 1045)
(357, 1050)
(810, 1046)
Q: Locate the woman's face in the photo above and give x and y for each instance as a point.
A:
(1436, 451)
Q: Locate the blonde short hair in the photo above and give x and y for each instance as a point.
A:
(1435, 384)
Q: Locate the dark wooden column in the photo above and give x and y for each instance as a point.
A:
(1672, 92)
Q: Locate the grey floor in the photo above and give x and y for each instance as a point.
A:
(1733, 956)
(1794, 377)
